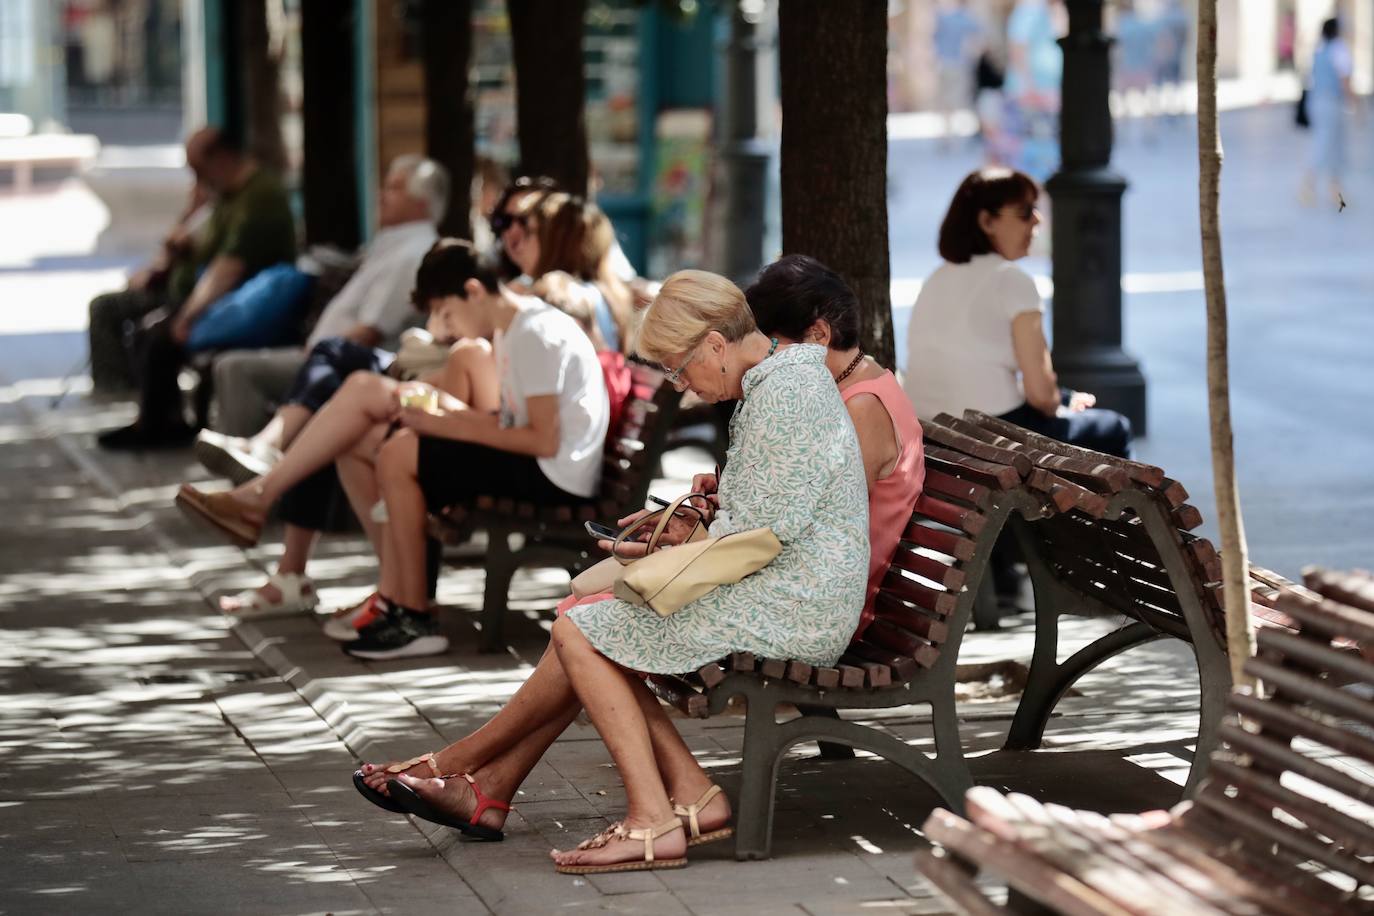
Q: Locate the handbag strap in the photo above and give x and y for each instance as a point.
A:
(661, 518)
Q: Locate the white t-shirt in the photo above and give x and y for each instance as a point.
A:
(378, 293)
(959, 349)
(544, 352)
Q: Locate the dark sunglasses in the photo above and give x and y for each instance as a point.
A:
(501, 221)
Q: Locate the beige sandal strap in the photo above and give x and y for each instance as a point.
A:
(691, 811)
(416, 761)
(647, 835)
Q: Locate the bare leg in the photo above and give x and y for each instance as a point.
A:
(364, 401)
(358, 475)
(403, 560)
(284, 426)
(606, 691)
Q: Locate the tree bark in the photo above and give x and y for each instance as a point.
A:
(546, 41)
(329, 171)
(833, 68)
(262, 85)
(449, 131)
(1240, 634)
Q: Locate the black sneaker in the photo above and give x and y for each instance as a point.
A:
(399, 633)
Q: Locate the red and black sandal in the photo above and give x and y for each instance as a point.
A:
(385, 802)
(415, 804)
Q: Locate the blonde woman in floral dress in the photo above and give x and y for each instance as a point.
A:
(795, 467)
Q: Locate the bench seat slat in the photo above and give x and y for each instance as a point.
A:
(956, 464)
(968, 520)
(932, 629)
(945, 542)
(901, 641)
(950, 487)
(939, 603)
(1147, 474)
(951, 577)
(959, 442)
(1261, 792)
(903, 667)
(1281, 718)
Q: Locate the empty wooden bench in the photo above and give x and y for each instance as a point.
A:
(522, 533)
(1119, 544)
(1284, 823)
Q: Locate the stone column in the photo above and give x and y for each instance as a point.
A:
(1086, 228)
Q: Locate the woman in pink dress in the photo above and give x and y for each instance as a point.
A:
(468, 785)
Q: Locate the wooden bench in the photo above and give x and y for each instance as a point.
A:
(1279, 826)
(1100, 535)
(522, 533)
(906, 656)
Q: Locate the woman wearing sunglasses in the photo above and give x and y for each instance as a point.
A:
(977, 339)
(468, 784)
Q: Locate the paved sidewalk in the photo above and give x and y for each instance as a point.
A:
(160, 760)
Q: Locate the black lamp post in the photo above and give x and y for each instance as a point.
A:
(1086, 230)
(745, 155)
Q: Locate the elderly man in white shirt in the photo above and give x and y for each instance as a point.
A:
(370, 311)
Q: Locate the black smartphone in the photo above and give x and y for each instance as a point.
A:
(659, 500)
(600, 531)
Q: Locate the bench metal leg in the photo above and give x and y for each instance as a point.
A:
(758, 781)
(1048, 681)
(501, 565)
(829, 750)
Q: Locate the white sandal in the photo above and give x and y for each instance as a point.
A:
(297, 595)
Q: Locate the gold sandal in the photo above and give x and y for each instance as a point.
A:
(620, 831)
(694, 835)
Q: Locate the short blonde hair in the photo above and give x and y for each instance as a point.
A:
(691, 304)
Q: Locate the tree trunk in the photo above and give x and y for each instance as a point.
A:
(1240, 634)
(329, 172)
(262, 53)
(447, 48)
(546, 41)
(833, 66)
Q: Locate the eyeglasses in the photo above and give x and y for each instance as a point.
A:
(674, 376)
(501, 221)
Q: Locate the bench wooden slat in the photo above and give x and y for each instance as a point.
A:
(932, 629)
(969, 520)
(679, 694)
(798, 672)
(1147, 474)
(773, 667)
(711, 674)
(1067, 894)
(937, 602)
(1279, 755)
(1093, 472)
(1261, 790)
(950, 487)
(1318, 655)
(826, 678)
(875, 674)
(953, 878)
(1186, 517)
(1353, 589)
(1329, 618)
(946, 542)
(887, 635)
(1323, 696)
(850, 676)
(903, 666)
(976, 448)
(1283, 719)
(988, 473)
(951, 577)
(1174, 493)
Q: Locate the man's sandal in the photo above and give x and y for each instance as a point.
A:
(645, 835)
(414, 803)
(694, 835)
(383, 801)
(222, 512)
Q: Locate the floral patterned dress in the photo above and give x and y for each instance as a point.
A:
(794, 466)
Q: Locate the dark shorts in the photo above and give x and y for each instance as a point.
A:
(452, 472)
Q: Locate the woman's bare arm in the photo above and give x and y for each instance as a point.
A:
(1038, 380)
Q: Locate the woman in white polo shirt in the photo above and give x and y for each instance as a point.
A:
(977, 338)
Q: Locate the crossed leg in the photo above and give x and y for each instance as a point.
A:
(502, 752)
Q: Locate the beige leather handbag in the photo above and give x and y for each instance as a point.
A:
(601, 577)
(669, 579)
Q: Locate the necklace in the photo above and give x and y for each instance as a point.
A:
(858, 358)
(773, 348)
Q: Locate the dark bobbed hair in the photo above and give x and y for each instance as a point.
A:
(1331, 29)
(986, 190)
(541, 185)
(794, 291)
(446, 269)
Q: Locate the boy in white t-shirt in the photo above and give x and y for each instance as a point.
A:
(432, 450)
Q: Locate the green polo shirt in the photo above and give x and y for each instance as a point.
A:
(253, 224)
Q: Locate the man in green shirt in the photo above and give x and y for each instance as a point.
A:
(250, 228)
